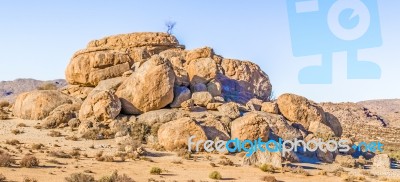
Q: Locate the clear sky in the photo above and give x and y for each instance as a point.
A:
(38, 38)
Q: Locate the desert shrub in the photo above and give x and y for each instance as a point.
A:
(27, 179)
(2, 178)
(339, 171)
(215, 175)
(29, 161)
(22, 125)
(108, 158)
(12, 142)
(323, 173)
(395, 155)
(155, 171)
(80, 177)
(3, 115)
(47, 86)
(114, 177)
(139, 131)
(16, 132)
(300, 170)
(350, 178)
(267, 168)
(37, 146)
(226, 162)
(54, 133)
(269, 179)
(185, 154)
(4, 103)
(75, 153)
(5, 159)
(59, 154)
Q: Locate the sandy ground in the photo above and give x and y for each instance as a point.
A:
(197, 170)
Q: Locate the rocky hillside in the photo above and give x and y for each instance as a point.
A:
(10, 89)
(389, 109)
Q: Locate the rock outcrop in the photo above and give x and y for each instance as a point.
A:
(112, 56)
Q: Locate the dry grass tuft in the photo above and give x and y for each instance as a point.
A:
(29, 161)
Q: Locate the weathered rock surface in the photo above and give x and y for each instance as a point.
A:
(174, 135)
(113, 56)
(37, 105)
(77, 91)
(260, 158)
(202, 70)
(181, 94)
(202, 98)
(230, 109)
(300, 110)
(381, 161)
(62, 114)
(243, 81)
(270, 107)
(100, 106)
(254, 125)
(151, 87)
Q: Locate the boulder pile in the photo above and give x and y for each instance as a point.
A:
(147, 87)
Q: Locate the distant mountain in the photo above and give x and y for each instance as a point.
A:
(9, 90)
(389, 109)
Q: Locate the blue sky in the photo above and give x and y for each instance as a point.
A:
(37, 39)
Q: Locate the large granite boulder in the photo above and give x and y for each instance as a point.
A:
(38, 104)
(150, 87)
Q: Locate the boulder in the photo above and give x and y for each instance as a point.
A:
(215, 88)
(230, 109)
(112, 56)
(327, 156)
(177, 59)
(250, 122)
(214, 128)
(108, 85)
(174, 135)
(37, 105)
(198, 87)
(260, 158)
(181, 94)
(204, 52)
(250, 127)
(270, 107)
(202, 98)
(62, 114)
(244, 80)
(300, 110)
(88, 68)
(254, 104)
(188, 105)
(381, 161)
(100, 106)
(202, 70)
(151, 87)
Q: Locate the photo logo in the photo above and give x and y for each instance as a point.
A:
(321, 27)
(283, 146)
